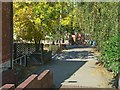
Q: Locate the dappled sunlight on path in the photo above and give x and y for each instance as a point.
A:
(76, 66)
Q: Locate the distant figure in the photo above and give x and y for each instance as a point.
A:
(82, 39)
(86, 39)
(78, 36)
(56, 41)
(74, 37)
(53, 43)
(63, 40)
(71, 41)
(93, 43)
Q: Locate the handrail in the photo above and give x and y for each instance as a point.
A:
(18, 58)
(21, 59)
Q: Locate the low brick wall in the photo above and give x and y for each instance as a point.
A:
(9, 76)
(30, 82)
(44, 80)
(8, 87)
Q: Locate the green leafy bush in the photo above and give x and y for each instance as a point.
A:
(110, 54)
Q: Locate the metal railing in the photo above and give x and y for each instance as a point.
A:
(21, 60)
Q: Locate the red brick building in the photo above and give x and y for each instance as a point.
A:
(5, 30)
(6, 75)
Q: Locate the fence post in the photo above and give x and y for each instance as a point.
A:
(20, 61)
(15, 50)
(42, 53)
(28, 48)
(24, 48)
(25, 58)
(42, 45)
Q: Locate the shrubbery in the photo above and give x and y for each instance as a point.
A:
(110, 54)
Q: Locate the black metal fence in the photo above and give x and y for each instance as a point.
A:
(21, 49)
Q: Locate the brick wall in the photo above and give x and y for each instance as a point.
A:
(44, 80)
(9, 76)
(0, 32)
(5, 32)
(8, 87)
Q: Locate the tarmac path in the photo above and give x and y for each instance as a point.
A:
(75, 67)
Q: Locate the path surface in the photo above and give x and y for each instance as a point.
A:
(76, 67)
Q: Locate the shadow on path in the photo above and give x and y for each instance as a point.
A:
(62, 70)
(64, 65)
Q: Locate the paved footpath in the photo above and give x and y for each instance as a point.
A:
(76, 68)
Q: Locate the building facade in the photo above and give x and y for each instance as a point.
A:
(5, 35)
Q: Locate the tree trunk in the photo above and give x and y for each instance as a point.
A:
(37, 46)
